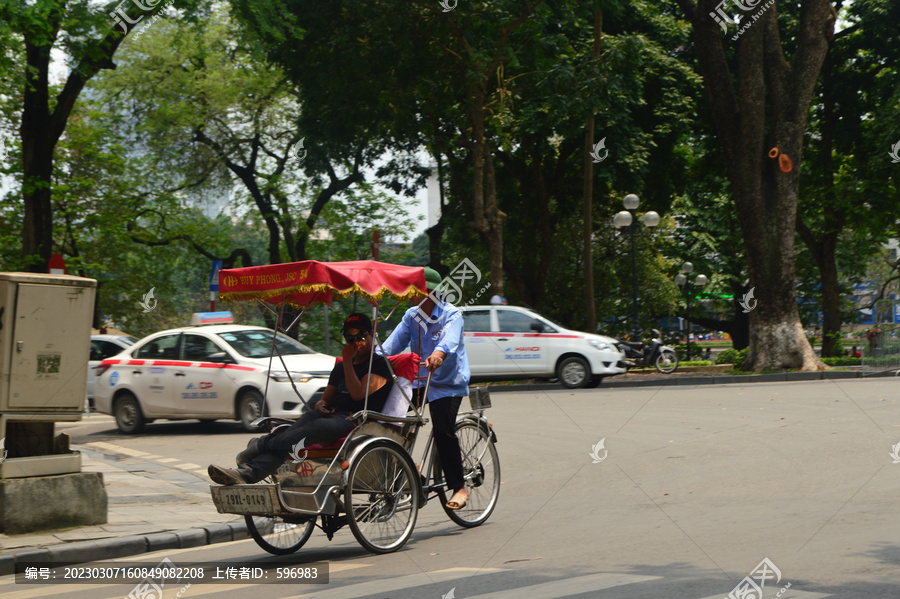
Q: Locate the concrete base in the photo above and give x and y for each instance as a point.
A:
(50, 502)
(41, 465)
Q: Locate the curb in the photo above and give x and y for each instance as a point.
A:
(106, 549)
(778, 377)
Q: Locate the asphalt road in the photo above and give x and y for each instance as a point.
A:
(696, 486)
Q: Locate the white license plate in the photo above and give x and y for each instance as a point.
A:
(245, 501)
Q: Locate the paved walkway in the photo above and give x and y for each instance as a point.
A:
(152, 506)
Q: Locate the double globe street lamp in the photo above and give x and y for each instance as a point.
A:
(682, 281)
(623, 219)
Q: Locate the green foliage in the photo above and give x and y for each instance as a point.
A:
(347, 224)
(842, 361)
(838, 349)
(732, 356)
(201, 105)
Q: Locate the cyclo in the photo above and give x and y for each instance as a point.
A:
(368, 479)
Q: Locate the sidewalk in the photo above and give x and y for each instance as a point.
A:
(151, 507)
(154, 507)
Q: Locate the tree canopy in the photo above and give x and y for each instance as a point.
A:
(261, 132)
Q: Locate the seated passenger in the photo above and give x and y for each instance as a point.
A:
(343, 396)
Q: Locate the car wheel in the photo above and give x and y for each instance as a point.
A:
(574, 372)
(129, 417)
(249, 408)
(594, 382)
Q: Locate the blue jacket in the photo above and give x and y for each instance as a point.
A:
(442, 331)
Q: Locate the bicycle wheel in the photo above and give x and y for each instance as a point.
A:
(382, 497)
(278, 536)
(481, 471)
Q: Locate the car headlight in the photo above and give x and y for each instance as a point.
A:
(601, 345)
(281, 376)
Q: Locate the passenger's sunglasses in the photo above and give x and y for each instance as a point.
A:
(352, 338)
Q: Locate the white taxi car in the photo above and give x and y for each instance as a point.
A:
(504, 342)
(209, 372)
(102, 347)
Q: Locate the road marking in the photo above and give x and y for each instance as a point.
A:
(167, 460)
(118, 449)
(46, 590)
(214, 589)
(353, 591)
(568, 586)
(788, 594)
(187, 466)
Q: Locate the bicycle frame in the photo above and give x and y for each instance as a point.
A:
(426, 465)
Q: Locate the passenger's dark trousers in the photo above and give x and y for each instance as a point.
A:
(274, 448)
(443, 419)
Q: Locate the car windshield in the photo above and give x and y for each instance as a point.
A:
(257, 343)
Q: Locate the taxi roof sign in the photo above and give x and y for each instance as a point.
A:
(201, 318)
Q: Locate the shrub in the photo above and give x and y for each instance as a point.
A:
(842, 361)
(726, 356)
(732, 356)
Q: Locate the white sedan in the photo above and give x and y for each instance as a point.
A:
(209, 373)
(507, 342)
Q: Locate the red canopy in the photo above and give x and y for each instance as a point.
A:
(312, 282)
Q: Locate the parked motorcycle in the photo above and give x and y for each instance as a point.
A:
(656, 354)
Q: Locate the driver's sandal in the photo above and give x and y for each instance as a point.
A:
(454, 503)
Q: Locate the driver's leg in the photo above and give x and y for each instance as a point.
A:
(443, 419)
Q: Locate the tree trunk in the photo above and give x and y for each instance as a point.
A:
(436, 232)
(765, 189)
(495, 218)
(588, 200)
(488, 221)
(824, 249)
(42, 127)
(38, 142)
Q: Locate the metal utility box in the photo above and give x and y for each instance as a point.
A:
(45, 332)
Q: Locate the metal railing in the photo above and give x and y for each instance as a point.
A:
(881, 354)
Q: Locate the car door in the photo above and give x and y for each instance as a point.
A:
(205, 389)
(96, 356)
(482, 352)
(152, 375)
(521, 345)
(101, 350)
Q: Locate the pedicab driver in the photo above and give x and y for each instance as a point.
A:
(343, 396)
(434, 330)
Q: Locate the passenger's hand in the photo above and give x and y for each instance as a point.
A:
(322, 408)
(349, 351)
(434, 361)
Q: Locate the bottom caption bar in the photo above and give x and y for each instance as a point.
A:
(167, 574)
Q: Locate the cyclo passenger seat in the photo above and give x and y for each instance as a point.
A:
(405, 367)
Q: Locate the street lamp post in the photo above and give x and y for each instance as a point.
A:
(623, 219)
(682, 281)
